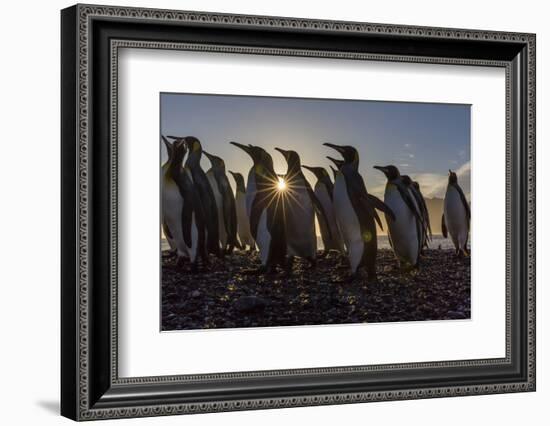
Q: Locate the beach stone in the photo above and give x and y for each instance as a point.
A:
(456, 315)
(248, 304)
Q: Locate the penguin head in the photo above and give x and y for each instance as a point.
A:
(406, 179)
(264, 159)
(168, 145)
(193, 144)
(452, 177)
(292, 159)
(239, 180)
(178, 152)
(216, 162)
(250, 150)
(350, 154)
(337, 163)
(390, 171)
(319, 172)
(193, 147)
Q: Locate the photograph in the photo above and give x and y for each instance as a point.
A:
(281, 211)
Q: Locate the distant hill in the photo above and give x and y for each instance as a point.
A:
(435, 210)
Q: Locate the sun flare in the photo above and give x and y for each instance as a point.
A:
(281, 184)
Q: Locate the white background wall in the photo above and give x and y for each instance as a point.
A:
(29, 211)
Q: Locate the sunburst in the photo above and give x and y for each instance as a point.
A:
(281, 184)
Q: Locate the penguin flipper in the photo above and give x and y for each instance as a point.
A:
(464, 201)
(443, 227)
(380, 205)
(405, 194)
(186, 221)
(423, 211)
(229, 210)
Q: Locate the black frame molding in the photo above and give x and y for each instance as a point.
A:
(91, 37)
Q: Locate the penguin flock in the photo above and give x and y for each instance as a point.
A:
(275, 214)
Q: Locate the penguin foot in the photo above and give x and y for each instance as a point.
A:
(169, 253)
(373, 285)
(289, 264)
(324, 254)
(180, 262)
(353, 277)
(257, 271)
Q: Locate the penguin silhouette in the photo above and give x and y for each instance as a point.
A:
(267, 213)
(181, 208)
(251, 178)
(414, 189)
(355, 212)
(243, 221)
(406, 229)
(165, 229)
(323, 189)
(300, 206)
(225, 201)
(456, 215)
(204, 190)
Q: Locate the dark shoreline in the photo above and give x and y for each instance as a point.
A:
(226, 296)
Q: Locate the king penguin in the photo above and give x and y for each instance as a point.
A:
(243, 223)
(225, 201)
(251, 178)
(456, 215)
(323, 189)
(300, 206)
(406, 230)
(204, 190)
(165, 230)
(355, 212)
(181, 208)
(414, 187)
(267, 212)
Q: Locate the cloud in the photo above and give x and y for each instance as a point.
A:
(435, 185)
(432, 185)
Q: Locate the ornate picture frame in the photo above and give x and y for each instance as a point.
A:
(91, 37)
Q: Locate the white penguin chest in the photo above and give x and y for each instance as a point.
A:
(345, 212)
(455, 212)
(402, 230)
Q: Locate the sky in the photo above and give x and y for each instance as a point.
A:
(424, 140)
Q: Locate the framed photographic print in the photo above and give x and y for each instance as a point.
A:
(263, 212)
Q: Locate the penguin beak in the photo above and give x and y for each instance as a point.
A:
(450, 171)
(176, 137)
(335, 161)
(382, 169)
(338, 148)
(209, 156)
(282, 151)
(167, 143)
(245, 148)
(308, 168)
